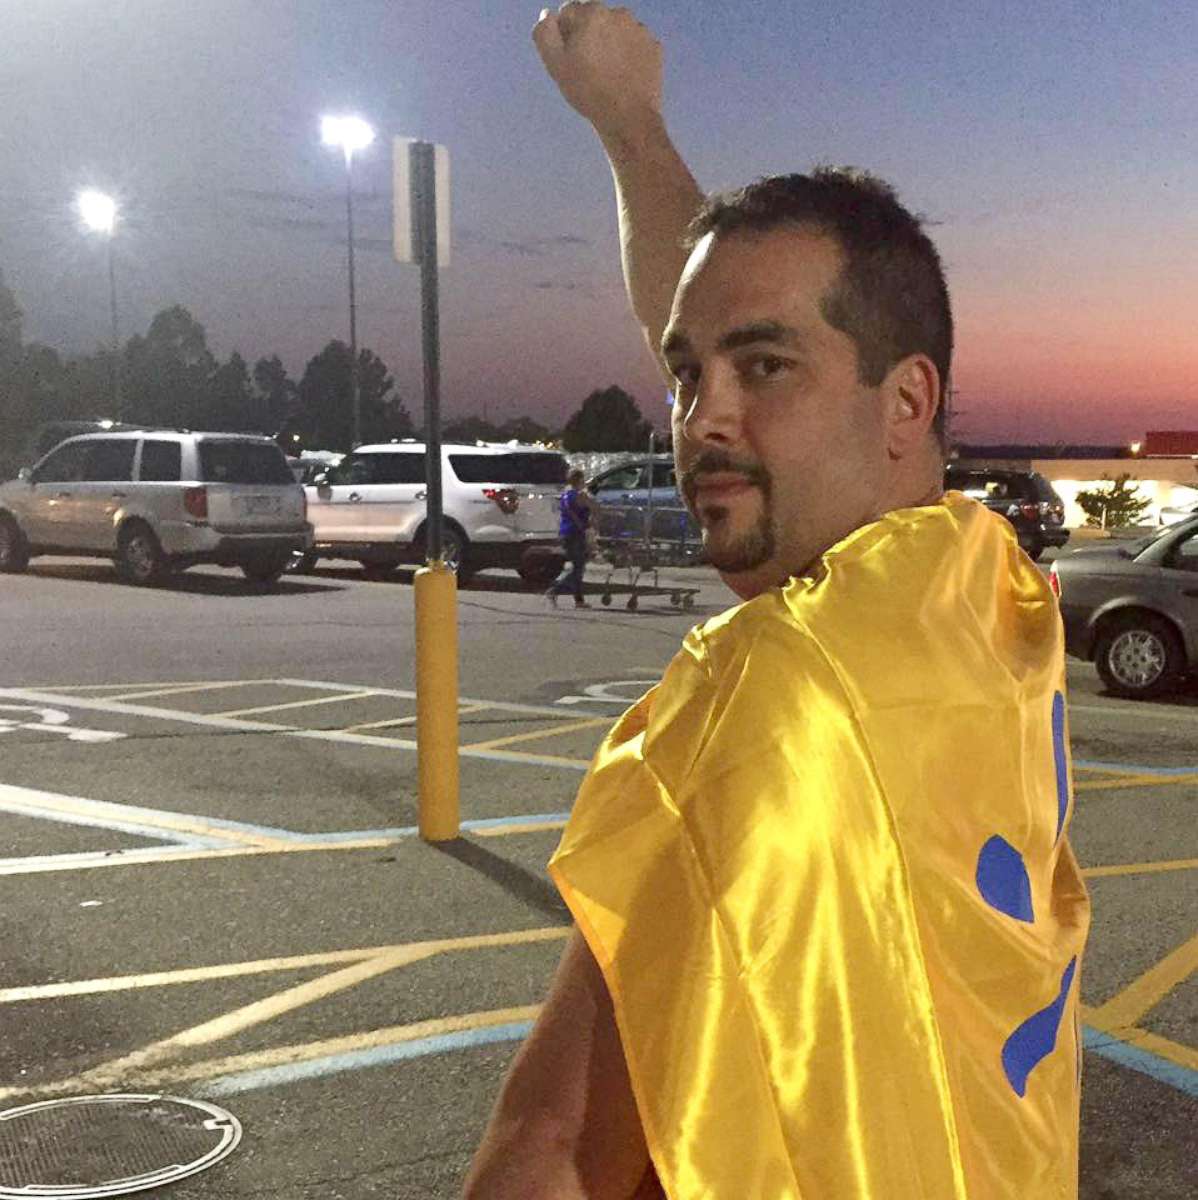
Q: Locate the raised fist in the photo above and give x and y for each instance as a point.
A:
(605, 62)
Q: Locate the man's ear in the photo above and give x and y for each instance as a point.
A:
(911, 393)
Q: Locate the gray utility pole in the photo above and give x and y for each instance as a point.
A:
(424, 212)
(117, 405)
(353, 305)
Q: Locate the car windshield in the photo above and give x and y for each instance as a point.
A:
(243, 462)
(1136, 548)
(509, 468)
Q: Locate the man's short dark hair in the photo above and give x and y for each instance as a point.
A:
(891, 297)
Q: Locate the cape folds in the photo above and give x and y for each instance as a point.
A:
(824, 869)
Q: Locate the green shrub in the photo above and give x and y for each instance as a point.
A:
(1113, 505)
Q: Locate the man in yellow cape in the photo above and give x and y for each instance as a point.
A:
(829, 926)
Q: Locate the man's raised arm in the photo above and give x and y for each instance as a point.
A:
(608, 67)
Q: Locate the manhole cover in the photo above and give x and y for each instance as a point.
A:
(109, 1145)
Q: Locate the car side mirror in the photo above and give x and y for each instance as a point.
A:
(25, 474)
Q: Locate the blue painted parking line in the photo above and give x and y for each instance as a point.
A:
(1128, 1055)
(356, 1060)
(1133, 768)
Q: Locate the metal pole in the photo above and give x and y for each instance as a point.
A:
(353, 306)
(424, 197)
(116, 336)
(436, 584)
(649, 501)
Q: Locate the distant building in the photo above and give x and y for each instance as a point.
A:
(1014, 452)
(1170, 443)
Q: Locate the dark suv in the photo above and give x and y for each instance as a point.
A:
(1025, 498)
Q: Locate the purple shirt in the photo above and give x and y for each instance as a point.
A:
(575, 516)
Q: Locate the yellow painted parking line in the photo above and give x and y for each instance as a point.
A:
(506, 830)
(262, 708)
(411, 720)
(258, 1012)
(1144, 868)
(286, 1055)
(1145, 993)
(178, 689)
(117, 1071)
(1143, 1039)
(1153, 1043)
(1133, 781)
(536, 734)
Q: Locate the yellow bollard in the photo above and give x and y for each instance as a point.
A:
(437, 701)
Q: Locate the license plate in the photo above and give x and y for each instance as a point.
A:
(259, 506)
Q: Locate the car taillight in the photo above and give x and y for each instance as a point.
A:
(1054, 581)
(505, 499)
(195, 501)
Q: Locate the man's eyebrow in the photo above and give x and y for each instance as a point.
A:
(761, 331)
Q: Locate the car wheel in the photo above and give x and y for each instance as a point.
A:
(1033, 549)
(14, 549)
(378, 572)
(540, 570)
(301, 562)
(455, 551)
(1139, 657)
(139, 557)
(267, 569)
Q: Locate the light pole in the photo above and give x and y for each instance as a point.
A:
(98, 212)
(350, 134)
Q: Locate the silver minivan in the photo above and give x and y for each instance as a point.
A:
(156, 502)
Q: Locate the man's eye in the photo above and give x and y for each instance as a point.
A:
(686, 376)
(766, 366)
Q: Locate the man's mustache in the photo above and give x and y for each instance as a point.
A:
(718, 462)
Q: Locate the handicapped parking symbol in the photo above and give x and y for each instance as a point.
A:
(51, 720)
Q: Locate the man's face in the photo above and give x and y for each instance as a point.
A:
(781, 450)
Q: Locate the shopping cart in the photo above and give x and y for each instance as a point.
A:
(635, 543)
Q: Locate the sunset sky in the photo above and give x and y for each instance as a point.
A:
(1053, 145)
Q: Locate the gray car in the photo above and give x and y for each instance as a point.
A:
(1132, 609)
(639, 502)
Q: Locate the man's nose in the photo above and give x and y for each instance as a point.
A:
(714, 414)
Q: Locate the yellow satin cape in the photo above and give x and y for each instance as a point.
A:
(823, 868)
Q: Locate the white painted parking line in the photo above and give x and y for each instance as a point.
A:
(179, 689)
(194, 831)
(52, 720)
(265, 708)
(542, 710)
(396, 722)
(241, 725)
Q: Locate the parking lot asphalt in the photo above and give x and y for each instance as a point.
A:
(211, 883)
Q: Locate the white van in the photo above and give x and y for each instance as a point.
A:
(500, 505)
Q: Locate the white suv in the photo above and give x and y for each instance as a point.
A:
(158, 501)
(500, 504)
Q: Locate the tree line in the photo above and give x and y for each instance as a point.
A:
(169, 377)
